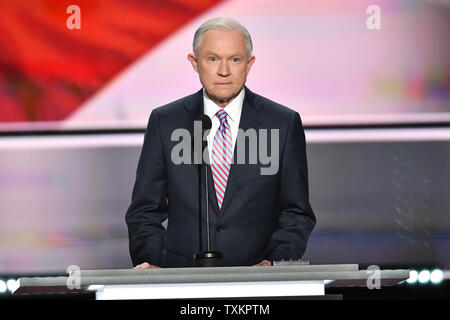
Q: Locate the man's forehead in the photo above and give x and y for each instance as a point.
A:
(214, 53)
(234, 31)
(223, 36)
(223, 43)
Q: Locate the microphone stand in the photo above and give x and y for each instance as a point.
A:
(208, 248)
(206, 258)
(200, 224)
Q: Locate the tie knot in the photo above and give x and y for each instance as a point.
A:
(222, 115)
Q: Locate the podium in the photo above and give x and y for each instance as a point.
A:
(277, 281)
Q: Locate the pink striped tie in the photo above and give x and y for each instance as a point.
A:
(221, 157)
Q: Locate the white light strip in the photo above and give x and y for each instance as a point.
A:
(377, 135)
(95, 287)
(136, 139)
(428, 276)
(374, 118)
(71, 141)
(212, 290)
(75, 125)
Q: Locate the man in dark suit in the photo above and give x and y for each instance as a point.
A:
(256, 218)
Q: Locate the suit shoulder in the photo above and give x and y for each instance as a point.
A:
(173, 108)
(274, 108)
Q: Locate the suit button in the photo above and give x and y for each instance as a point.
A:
(220, 228)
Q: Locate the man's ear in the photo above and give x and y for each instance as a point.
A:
(250, 63)
(193, 60)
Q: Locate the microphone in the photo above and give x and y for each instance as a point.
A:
(206, 258)
(201, 124)
(206, 122)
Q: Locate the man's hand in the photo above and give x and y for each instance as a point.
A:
(263, 263)
(145, 265)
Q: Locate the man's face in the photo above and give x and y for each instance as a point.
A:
(222, 63)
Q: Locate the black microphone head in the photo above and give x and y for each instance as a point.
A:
(206, 121)
(206, 124)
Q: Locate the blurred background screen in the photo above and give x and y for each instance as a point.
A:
(317, 57)
(74, 104)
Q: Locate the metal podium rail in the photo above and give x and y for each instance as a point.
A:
(220, 282)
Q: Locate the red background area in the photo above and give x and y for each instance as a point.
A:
(47, 71)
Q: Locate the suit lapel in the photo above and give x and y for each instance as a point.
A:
(250, 119)
(193, 109)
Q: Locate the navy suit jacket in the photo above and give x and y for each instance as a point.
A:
(262, 217)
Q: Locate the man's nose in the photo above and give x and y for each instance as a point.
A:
(224, 69)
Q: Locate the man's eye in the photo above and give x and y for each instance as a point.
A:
(235, 59)
(212, 58)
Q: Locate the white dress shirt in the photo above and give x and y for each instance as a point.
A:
(233, 110)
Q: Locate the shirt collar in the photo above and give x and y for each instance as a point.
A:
(233, 109)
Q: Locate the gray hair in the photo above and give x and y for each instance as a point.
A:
(224, 24)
